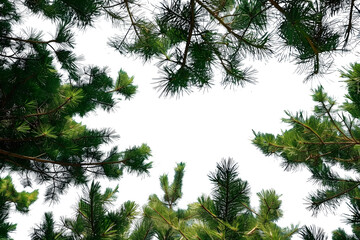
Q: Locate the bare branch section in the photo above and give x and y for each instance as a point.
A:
(133, 23)
(28, 40)
(191, 29)
(35, 159)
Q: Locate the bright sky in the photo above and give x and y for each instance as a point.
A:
(200, 129)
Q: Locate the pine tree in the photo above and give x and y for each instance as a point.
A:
(325, 142)
(9, 197)
(94, 219)
(226, 214)
(161, 216)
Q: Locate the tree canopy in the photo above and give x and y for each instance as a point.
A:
(43, 88)
(189, 39)
(226, 214)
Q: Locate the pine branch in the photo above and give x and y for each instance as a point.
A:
(28, 40)
(191, 29)
(116, 89)
(328, 143)
(10, 154)
(18, 58)
(55, 178)
(131, 18)
(167, 222)
(252, 18)
(250, 209)
(218, 219)
(316, 204)
(327, 153)
(68, 99)
(252, 231)
(348, 29)
(281, 10)
(228, 28)
(7, 97)
(333, 121)
(309, 128)
(349, 127)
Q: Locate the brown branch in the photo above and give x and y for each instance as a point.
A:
(281, 10)
(51, 111)
(169, 223)
(252, 231)
(247, 207)
(348, 29)
(15, 155)
(228, 28)
(336, 195)
(44, 113)
(18, 58)
(212, 215)
(309, 128)
(349, 128)
(328, 143)
(147, 232)
(333, 121)
(115, 90)
(28, 40)
(325, 154)
(35, 170)
(131, 18)
(252, 18)
(192, 25)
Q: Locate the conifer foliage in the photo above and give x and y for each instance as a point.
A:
(226, 214)
(94, 219)
(327, 144)
(9, 198)
(39, 137)
(191, 37)
(43, 89)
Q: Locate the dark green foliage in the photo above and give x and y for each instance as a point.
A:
(46, 230)
(8, 197)
(39, 137)
(173, 192)
(227, 214)
(312, 233)
(230, 194)
(94, 220)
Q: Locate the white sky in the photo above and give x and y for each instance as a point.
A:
(200, 129)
